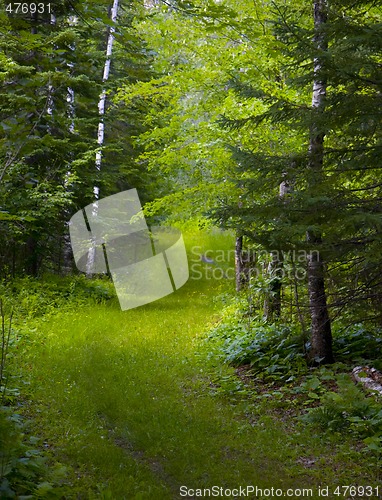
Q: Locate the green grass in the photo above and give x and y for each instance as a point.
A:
(126, 401)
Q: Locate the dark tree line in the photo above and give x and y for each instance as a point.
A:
(52, 69)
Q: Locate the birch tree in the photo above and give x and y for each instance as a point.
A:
(102, 101)
(101, 128)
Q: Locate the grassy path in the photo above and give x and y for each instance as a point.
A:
(124, 400)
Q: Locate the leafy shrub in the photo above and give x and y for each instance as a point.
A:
(348, 410)
(24, 472)
(272, 351)
(357, 342)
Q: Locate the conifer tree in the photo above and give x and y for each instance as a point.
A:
(48, 142)
(332, 212)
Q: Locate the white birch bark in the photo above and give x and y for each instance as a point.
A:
(102, 101)
(101, 127)
(70, 97)
(50, 103)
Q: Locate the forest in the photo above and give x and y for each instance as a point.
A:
(246, 136)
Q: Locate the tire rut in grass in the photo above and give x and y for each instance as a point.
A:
(153, 464)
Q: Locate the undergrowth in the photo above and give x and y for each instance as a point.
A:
(25, 470)
(32, 298)
(275, 360)
(349, 410)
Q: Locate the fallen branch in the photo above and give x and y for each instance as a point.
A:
(368, 377)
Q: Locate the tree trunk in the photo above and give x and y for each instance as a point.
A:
(239, 262)
(102, 101)
(321, 335)
(101, 128)
(32, 261)
(272, 302)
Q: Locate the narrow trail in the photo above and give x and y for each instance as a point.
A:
(124, 400)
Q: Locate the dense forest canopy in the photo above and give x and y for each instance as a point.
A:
(52, 78)
(261, 117)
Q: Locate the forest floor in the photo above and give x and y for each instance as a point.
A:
(133, 405)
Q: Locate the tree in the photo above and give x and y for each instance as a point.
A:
(48, 144)
(335, 184)
(321, 335)
(101, 126)
(243, 77)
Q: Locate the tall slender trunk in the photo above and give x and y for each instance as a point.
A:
(66, 248)
(33, 259)
(272, 302)
(102, 101)
(321, 335)
(239, 262)
(101, 127)
(67, 255)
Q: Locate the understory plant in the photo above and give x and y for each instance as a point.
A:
(34, 298)
(24, 468)
(328, 398)
(350, 410)
(273, 352)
